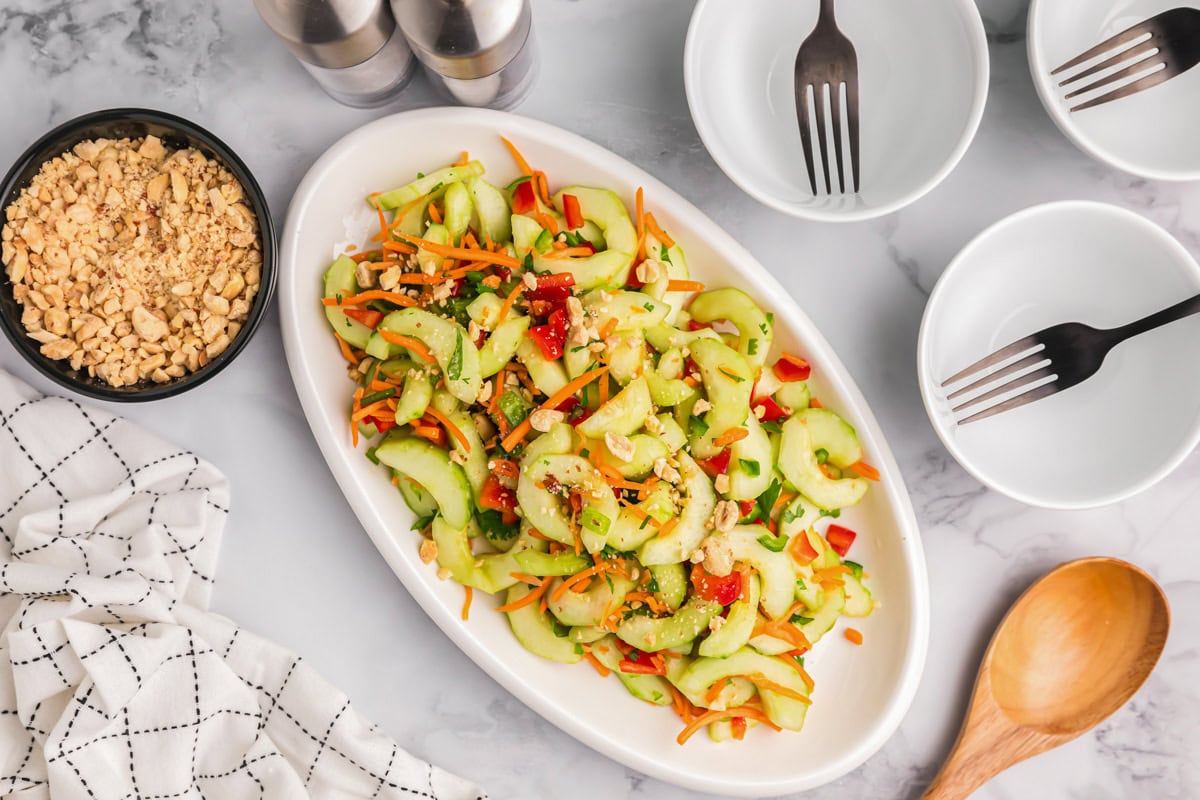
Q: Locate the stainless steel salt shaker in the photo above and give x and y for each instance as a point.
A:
(353, 48)
(479, 52)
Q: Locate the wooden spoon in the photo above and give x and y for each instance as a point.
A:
(1071, 651)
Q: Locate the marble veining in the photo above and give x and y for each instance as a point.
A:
(291, 530)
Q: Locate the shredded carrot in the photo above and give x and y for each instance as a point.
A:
(542, 186)
(691, 381)
(531, 597)
(450, 427)
(652, 226)
(685, 286)
(570, 252)
(595, 662)
(347, 353)
(462, 160)
(640, 212)
(558, 244)
(505, 468)
(466, 612)
(575, 579)
(553, 401)
(667, 527)
(415, 345)
(508, 303)
(699, 722)
(371, 294)
(522, 164)
(804, 676)
(547, 222)
(368, 410)
(358, 258)
(814, 403)
(763, 682)
(865, 470)
(535, 533)
(854, 635)
(358, 395)
(383, 226)
(433, 434)
(399, 247)
(608, 328)
(435, 216)
(496, 390)
(715, 690)
(523, 578)
(446, 251)
(730, 436)
(403, 211)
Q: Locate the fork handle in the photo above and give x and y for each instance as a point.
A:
(1180, 310)
(826, 16)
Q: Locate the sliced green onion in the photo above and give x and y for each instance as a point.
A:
(594, 521)
(773, 543)
(856, 569)
(375, 397)
(822, 455)
(749, 467)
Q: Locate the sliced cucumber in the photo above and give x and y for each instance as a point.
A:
(632, 529)
(750, 463)
(607, 267)
(739, 623)
(429, 261)
(525, 232)
(454, 553)
(675, 269)
(548, 375)
(426, 462)
(755, 332)
(449, 343)
(491, 208)
(651, 688)
(427, 183)
(665, 337)
(651, 635)
(672, 584)
(418, 500)
(458, 208)
(543, 564)
(784, 711)
(646, 450)
(626, 357)
(728, 379)
(774, 569)
(793, 396)
(698, 504)
(623, 414)
(799, 464)
(834, 435)
(627, 311)
(502, 345)
(535, 630)
(544, 510)
(858, 598)
(824, 618)
(591, 606)
(485, 310)
(340, 282)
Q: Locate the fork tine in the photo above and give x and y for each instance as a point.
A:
(1015, 383)
(819, 107)
(802, 115)
(1141, 84)
(1045, 390)
(1016, 348)
(1139, 53)
(1119, 75)
(852, 122)
(992, 377)
(1116, 40)
(835, 103)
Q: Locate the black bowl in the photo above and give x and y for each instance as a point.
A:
(177, 134)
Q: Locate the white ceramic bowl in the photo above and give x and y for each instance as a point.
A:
(1116, 433)
(1151, 133)
(923, 81)
(862, 692)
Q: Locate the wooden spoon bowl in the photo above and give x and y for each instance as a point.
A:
(1072, 650)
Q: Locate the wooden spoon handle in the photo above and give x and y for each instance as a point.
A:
(966, 769)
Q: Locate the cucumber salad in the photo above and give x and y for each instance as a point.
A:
(613, 449)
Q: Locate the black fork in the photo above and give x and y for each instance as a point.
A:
(1048, 361)
(827, 59)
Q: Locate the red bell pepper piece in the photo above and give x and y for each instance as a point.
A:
(790, 369)
(696, 326)
(840, 539)
(801, 549)
(383, 426)
(497, 496)
(631, 280)
(723, 590)
(365, 316)
(745, 507)
(572, 211)
(772, 411)
(553, 288)
(524, 200)
(568, 405)
(717, 464)
(551, 338)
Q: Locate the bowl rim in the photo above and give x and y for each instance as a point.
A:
(1189, 440)
(15, 331)
(423, 588)
(1063, 120)
(979, 45)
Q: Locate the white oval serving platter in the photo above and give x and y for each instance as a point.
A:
(861, 692)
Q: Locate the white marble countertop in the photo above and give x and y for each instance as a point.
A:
(290, 529)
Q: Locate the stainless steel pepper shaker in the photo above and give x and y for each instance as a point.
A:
(479, 52)
(353, 48)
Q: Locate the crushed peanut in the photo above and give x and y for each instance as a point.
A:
(726, 515)
(721, 483)
(428, 551)
(132, 262)
(619, 446)
(544, 419)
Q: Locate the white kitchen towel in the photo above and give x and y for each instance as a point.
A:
(115, 681)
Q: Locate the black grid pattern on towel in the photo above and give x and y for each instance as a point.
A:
(119, 604)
